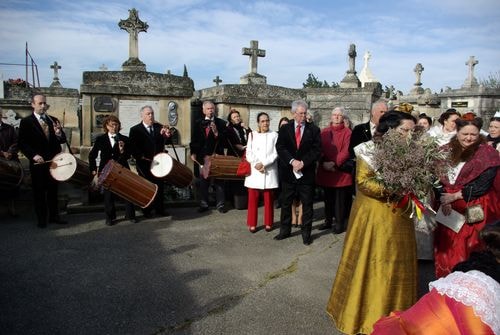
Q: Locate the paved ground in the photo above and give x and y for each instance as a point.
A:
(187, 274)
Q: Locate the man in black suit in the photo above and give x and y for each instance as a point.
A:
(363, 132)
(40, 139)
(299, 148)
(208, 137)
(112, 146)
(148, 138)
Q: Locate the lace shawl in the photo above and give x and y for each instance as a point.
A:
(474, 289)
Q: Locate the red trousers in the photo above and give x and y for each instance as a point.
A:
(253, 203)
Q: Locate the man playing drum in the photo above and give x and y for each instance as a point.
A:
(208, 138)
(40, 139)
(148, 138)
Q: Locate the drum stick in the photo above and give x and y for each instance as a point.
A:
(45, 162)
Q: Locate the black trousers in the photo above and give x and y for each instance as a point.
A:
(289, 192)
(338, 201)
(44, 194)
(110, 209)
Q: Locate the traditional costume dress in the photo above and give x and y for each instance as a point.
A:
(377, 273)
(479, 181)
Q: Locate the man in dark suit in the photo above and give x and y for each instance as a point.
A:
(112, 146)
(299, 148)
(363, 132)
(40, 139)
(208, 137)
(148, 138)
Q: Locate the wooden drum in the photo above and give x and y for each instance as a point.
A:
(128, 185)
(171, 170)
(11, 173)
(66, 167)
(224, 167)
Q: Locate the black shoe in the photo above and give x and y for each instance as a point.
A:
(58, 221)
(280, 236)
(203, 209)
(109, 222)
(307, 241)
(325, 226)
(132, 220)
(338, 230)
(222, 209)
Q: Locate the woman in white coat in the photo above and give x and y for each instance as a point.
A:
(263, 158)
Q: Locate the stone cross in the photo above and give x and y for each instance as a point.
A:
(133, 25)
(352, 58)
(103, 67)
(367, 57)
(217, 81)
(254, 52)
(56, 68)
(418, 71)
(471, 80)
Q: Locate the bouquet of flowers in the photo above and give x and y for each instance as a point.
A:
(408, 166)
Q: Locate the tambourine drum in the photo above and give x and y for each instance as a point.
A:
(224, 167)
(171, 170)
(66, 167)
(11, 173)
(128, 185)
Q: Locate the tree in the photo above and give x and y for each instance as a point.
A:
(314, 82)
(493, 80)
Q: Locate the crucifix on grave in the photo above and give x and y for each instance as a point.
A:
(55, 81)
(133, 25)
(351, 80)
(254, 52)
(418, 72)
(217, 81)
(471, 80)
(417, 89)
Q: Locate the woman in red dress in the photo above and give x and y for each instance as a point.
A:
(474, 179)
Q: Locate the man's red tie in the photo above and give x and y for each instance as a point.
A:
(207, 130)
(297, 136)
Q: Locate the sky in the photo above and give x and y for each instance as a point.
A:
(300, 37)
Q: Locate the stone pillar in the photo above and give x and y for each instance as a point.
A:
(351, 79)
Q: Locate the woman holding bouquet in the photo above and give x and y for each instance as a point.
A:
(378, 269)
(474, 179)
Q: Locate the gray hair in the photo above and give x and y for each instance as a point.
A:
(208, 102)
(341, 109)
(379, 102)
(298, 103)
(145, 107)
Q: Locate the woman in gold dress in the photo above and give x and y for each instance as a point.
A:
(378, 269)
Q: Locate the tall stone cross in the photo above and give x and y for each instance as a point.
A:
(418, 71)
(471, 80)
(56, 68)
(133, 25)
(254, 52)
(217, 81)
